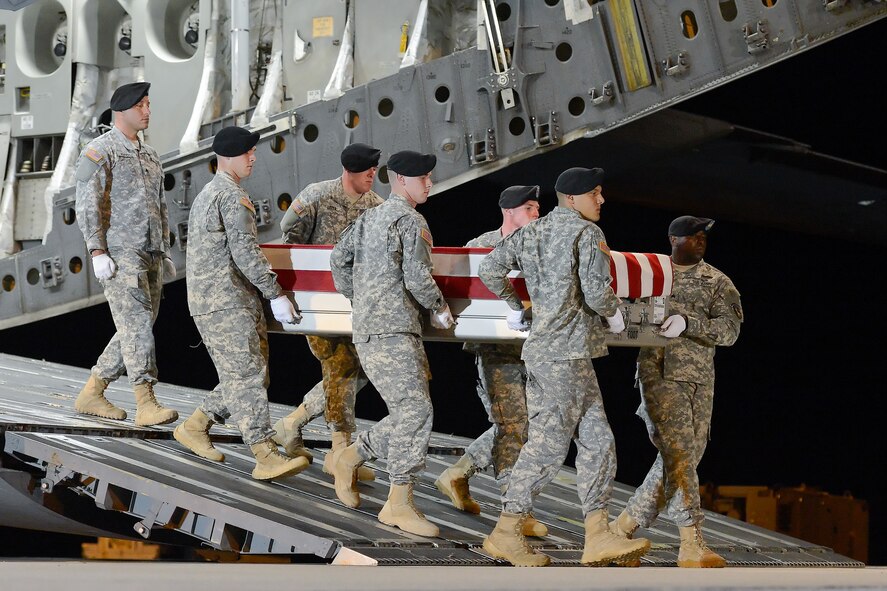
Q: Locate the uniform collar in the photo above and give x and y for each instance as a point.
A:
(125, 141)
(227, 178)
(342, 199)
(400, 199)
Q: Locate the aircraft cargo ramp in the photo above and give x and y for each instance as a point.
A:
(69, 473)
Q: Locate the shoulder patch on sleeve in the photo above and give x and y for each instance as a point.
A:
(247, 203)
(298, 207)
(604, 248)
(426, 236)
(94, 155)
(737, 310)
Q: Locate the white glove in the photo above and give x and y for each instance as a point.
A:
(673, 326)
(104, 266)
(517, 320)
(443, 319)
(169, 269)
(284, 310)
(616, 322)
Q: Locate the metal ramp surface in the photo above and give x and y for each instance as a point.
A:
(65, 472)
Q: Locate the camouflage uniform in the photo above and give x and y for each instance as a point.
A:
(565, 262)
(501, 387)
(121, 209)
(226, 267)
(677, 392)
(318, 215)
(383, 265)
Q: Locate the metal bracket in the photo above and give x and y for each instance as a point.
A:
(293, 122)
(546, 132)
(503, 83)
(482, 147)
(51, 272)
(677, 65)
(183, 236)
(160, 512)
(55, 475)
(606, 94)
(263, 212)
(756, 40)
(183, 203)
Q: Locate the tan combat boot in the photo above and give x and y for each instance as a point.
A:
(148, 411)
(534, 528)
(341, 440)
(288, 433)
(400, 511)
(92, 401)
(507, 542)
(193, 433)
(694, 553)
(344, 469)
(602, 547)
(625, 526)
(453, 482)
(270, 463)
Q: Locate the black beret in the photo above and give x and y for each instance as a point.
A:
(128, 95)
(688, 225)
(578, 181)
(360, 157)
(518, 195)
(234, 141)
(409, 163)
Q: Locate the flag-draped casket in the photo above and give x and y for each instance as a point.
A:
(642, 280)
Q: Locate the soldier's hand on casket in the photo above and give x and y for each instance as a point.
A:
(104, 266)
(616, 322)
(518, 319)
(443, 319)
(169, 269)
(673, 326)
(284, 310)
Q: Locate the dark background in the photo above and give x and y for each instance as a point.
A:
(799, 397)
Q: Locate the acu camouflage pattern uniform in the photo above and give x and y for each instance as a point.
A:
(677, 393)
(318, 216)
(566, 265)
(121, 209)
(383, 265)
(226, 267)
(501, 388)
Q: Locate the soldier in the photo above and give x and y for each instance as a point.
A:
(318, 216)
(383, 265)
(121, 211)
(225, 269)
(501, 384)
(677, 391)
(566, 265)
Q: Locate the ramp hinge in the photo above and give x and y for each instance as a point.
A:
(756, 39)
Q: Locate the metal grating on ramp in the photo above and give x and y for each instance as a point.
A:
(114, 477)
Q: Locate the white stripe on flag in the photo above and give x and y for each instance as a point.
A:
(646, 274)
(667, 273)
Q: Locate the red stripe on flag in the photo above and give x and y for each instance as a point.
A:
(634, 275)
(452, 287)
(658, 273)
